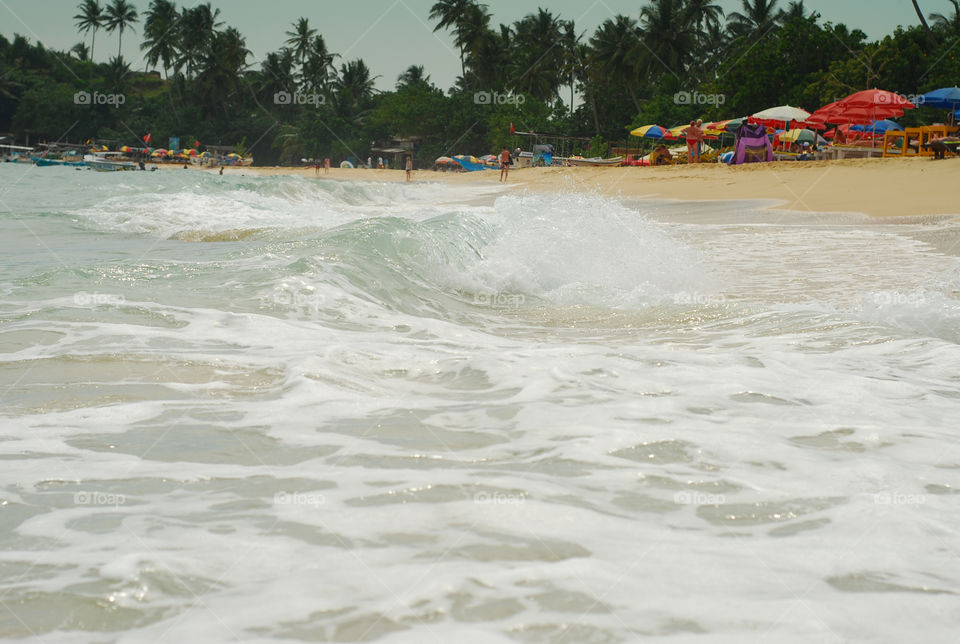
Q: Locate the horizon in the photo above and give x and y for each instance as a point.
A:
(353, 35)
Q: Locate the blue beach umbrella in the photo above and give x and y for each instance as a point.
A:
(877, 127)
(945, 98)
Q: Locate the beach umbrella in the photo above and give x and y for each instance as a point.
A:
(780, 115)
(877, 98)
(650, 132)
(945, 98)
(125, 148)
(676, 132)
(346, 164)
(799, 136)
(192, 152)
(444, 161)
(877, 127)
(468, 158)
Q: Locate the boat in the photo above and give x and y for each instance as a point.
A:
(44, 162)
(595, 161)
(108, 162)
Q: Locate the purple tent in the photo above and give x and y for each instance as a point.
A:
(753, 145)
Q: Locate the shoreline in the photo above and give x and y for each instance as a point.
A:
(874, 187)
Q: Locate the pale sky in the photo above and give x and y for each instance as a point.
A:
(393, 34)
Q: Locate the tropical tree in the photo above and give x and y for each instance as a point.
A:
(537, 59)
(276, 73)
(222, 69)
(570, 61)
(89, 19)
(353, 90)
(448, 14)
(704, 13)
(614, 47)
(413, 75)
(197, 27)
(121, 15)
(81, 51)
(923, 21)
(794, 11)
(160, 32)
(756, 19)
(301, 39)
(318, 69)
(940, 21)
(668, 41)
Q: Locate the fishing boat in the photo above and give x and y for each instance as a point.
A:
(108, 162)
(45, 162)
(595, 161)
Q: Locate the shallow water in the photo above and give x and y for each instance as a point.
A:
(275, 409)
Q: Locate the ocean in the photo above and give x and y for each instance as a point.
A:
(270, 409)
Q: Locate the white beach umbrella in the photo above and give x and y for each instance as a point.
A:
(781, 114)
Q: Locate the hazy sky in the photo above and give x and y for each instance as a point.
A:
(393, 34)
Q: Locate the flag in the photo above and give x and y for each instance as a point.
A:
(511, 129)
(148, 138)
(196, 144)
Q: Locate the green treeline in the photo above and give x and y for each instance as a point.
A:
(677, 60)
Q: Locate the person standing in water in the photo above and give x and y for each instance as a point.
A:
(409, 168)
(505, 163)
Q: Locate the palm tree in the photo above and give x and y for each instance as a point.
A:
(353, 91)
(570, 60)
(668, 39)
(758, 18)
(318, 69)
(81, 51)
(704, 13)
(413, 75)
(613, 51)
(90, 19)
(276, 73)
(121, 15)
(795, 11)
(941, 21)
(300, 39)
(160, 34)
(196, 29)
(448, 13)
(536, 63)
(222, 68)
(923, 21)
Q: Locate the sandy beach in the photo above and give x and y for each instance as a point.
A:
(877, 187)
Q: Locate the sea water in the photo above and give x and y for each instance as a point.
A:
(238, 408)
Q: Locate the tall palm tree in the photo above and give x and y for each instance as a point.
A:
(952, 23)
(160, 31)
(196, 29)
(276, 73)
(704, 13)
(537, 60)
(448, 14)
(669, 39)
(221, 70)
(90, 19)
(318, 69)
(923, 21)
(301, 38)
(121, 15)
(570, 61)
(757, 18)
(613, 53)
(795, 10)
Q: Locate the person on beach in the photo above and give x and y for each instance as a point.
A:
(660, 156)
(379, 163)
(409, 168)
(694, 135)
(326, 165)
(505, 162)
(221, 171)
(939, 149)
